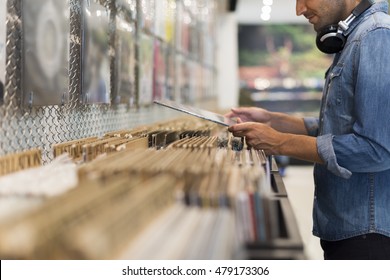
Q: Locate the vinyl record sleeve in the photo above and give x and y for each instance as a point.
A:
(3, 9)
(128, 5)
(45, 52)
(95, 54)
(159, 75)
(147, 15)
(193, 111)
(145, 87)
(170, 21)
(171, 78)
(124, 62)
(184, 79)
(160, 10)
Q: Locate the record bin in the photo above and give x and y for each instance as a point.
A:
(277, 186)
(286, 241)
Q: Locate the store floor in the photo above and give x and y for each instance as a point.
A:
(300, 189)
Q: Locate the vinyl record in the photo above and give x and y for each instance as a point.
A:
(3, 9)
(45, 54)
(95, 54)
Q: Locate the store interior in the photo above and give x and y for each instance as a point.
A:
(92, 168)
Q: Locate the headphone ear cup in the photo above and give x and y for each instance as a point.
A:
(329, 40)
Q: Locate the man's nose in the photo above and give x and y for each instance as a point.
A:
(300, 7)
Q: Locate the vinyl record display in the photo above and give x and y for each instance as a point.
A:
(124, 62)
(3, 9)
(95, 54)
(45, 54)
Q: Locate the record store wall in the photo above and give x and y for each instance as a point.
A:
(80, 68)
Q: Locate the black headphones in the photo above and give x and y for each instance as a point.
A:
(331, 39)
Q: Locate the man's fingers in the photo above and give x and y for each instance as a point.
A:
(238, 128)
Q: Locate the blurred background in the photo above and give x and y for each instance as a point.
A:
(280, 67)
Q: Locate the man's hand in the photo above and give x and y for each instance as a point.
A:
(259, 136)
(250, 114)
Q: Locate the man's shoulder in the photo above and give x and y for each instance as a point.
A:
(374, 22)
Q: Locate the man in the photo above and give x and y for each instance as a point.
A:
(350, 141)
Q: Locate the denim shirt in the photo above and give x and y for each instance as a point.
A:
(352, 188)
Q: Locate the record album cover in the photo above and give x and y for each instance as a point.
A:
(128, 5)
(159, 75)
(124, 62)
(147, 15)
(196, 112)
(45, 52)
(95, 54)
(145, 87)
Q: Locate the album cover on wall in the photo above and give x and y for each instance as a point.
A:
(45, 52)
(3, 34)
(159, 73)
(171, 78)
(184, 21)
(160, 14)
(147, 15)
(169, 23)
(129, 7)
(124, 61)
(145, 80)
(95, 53)
(184, 79)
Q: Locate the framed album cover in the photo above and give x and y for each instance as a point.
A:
(45, 52)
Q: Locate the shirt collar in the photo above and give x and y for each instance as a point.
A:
(381, 6)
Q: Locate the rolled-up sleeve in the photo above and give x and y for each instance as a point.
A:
(326, 152)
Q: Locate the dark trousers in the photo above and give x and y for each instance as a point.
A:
(371, 246)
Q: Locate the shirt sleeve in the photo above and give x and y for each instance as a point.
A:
(311, 124)
(367, 147)
(327, 153)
